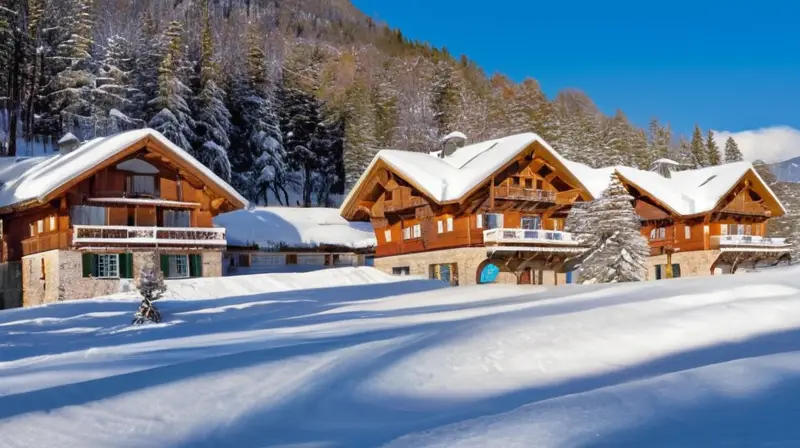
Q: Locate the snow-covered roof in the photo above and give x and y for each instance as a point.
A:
(688, 192)
(450, 178)
(294, 227)
(25, 179)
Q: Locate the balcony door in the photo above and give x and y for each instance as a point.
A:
(531, 223)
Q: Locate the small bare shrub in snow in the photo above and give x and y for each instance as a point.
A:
(151, 284)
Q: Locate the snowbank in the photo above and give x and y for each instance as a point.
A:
(294, 227)
(365, 360)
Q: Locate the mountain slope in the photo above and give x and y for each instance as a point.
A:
(365, 360)
(788, 170)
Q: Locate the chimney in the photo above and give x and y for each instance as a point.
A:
(665, 167)
(451, 142)
(68, 143)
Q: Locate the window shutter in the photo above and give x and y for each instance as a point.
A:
(165, 265)
(196, 265)
(441, 226)
(126, 265)
(88, 264)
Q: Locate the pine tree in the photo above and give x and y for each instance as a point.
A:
(732, 152)
(360, 129)
(212, 117)
(445, 88)
(659, 139)
(698, 149)
(174, 118)
(618, 141)
(712, 150)
(617, 250)
(149, 51)
(257, 155)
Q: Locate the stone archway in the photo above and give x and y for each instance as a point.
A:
(493, 271)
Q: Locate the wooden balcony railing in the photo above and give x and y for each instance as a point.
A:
(748, 242)
(524, 194)
(533, 237)
(199, 236)
(404, 204)
(44, 243)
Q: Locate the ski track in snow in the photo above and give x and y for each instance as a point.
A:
(352, 357)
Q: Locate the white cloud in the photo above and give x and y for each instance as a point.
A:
(774, 144)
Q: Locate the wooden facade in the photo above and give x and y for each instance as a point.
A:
(142, 187)
(525, 204)
(532, 191)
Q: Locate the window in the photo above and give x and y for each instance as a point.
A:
(177, 218)
(450, 224)
(40, 226)
(291, 259)
(447, 272)
(661, 271)
(182, 266)
(402, 270)
(53, 225)
(88, 215)
(407, 233)
(529, 183)
(267, 260)
(417, 231)
(687, 232)
(494, 221)
(108, 265)
(388, 196)
(539, 184)
(142, 185)
(531, 223)
(440, 225)
(31, 229)
(311, 259)
(178, 266)
(659, 233)
(479, 221)
(387, 235)
(515, 181)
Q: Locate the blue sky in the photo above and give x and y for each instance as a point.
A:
(731, 66)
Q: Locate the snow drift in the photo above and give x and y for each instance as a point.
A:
(360, 359)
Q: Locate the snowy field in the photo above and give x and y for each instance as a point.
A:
(361, 359)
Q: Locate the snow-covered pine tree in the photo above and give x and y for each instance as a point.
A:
(617, 250)
(617, 143)
(257, 155)
(151, 284)
(212, 117)
(713, 155)
(360, 129)
(149, 51)
(732, 152)
(659, 139)
(328, 148)
(445, 87)
(698, 149)
(174, 118)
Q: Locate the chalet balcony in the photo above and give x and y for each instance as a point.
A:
(529, 237)
(404, 204)
(47, 242)
(127, 235)
(524, 194)
(748, 243)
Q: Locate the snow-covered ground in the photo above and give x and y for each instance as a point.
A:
(352, 358)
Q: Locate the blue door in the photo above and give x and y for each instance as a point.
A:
(489, 273)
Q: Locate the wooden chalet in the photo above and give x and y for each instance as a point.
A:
(78, 223)
(495, 211)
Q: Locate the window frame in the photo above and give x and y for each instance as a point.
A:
(387, 235)
(417, 231)
(99, 265)
(450, 224)
(440, 226)
(53, 223)
(173, 266)
(406, 233)
(40, 226)
(687, 232)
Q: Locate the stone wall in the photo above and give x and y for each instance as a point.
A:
(73, 285)
(142, 260)
(40, 286)
(212, 264)
(693, 264)
(467, 259)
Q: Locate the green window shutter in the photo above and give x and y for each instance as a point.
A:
(165, 265)
(88, 264)
(196, 265)
(126, 265)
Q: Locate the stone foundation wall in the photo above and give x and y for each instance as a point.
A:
(74, 286)
(212, 264)
(467, 259)
(693, 264)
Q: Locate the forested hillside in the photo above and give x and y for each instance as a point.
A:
(287, 99)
